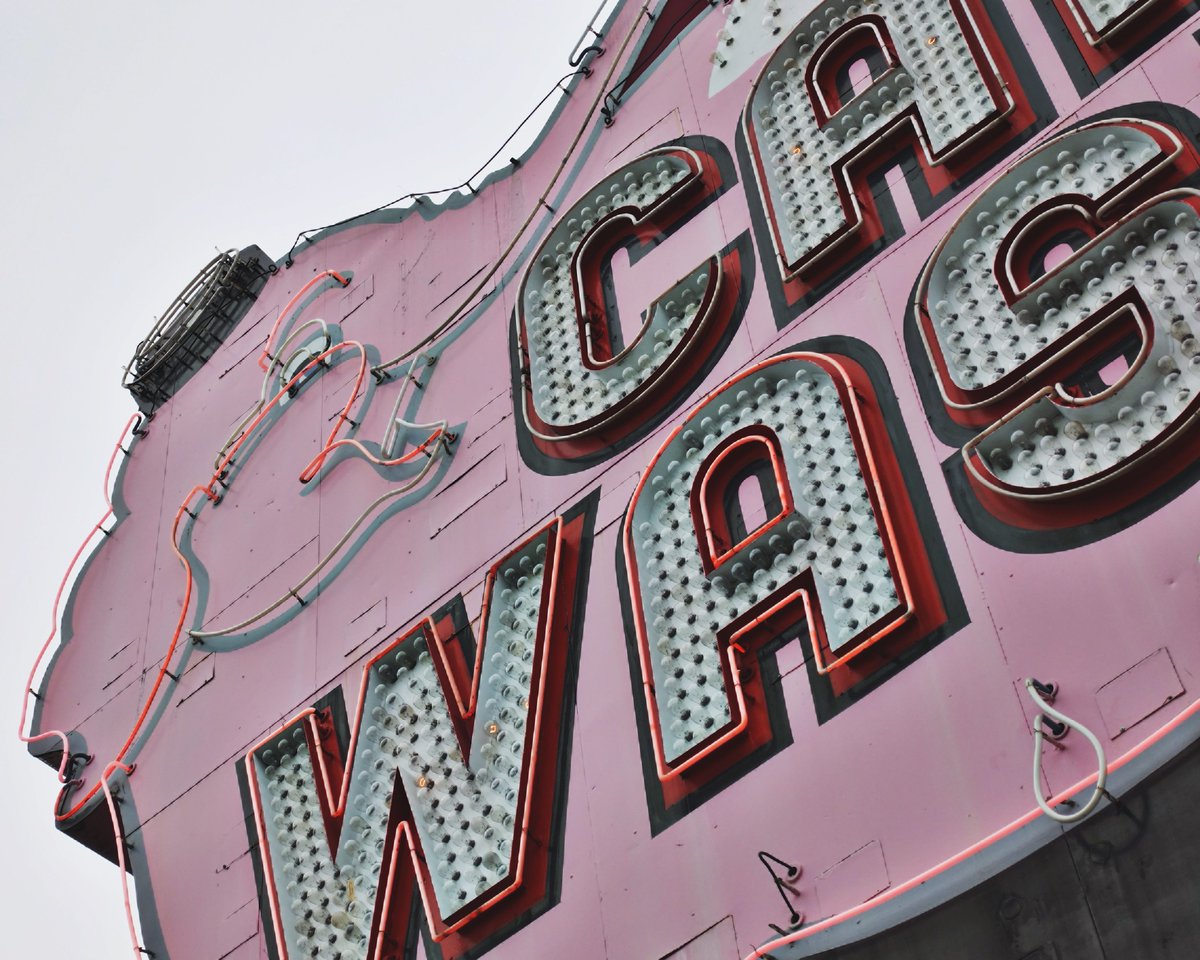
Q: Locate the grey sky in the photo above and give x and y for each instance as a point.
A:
(136, 138)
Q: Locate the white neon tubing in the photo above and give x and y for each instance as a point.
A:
(438, 430)
(307, 578)
(262, 397)
(1039, 737)
(543, 200)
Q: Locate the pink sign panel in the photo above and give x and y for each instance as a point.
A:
(761, 521)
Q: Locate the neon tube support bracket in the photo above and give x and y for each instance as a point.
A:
(782, 887)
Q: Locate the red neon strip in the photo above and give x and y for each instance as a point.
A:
(208, 490)
(265, 359)
(1133, 753)
(467, 709)
(62, 585)
(717, 557)
(857, 428)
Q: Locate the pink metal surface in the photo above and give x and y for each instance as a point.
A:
(929, 763)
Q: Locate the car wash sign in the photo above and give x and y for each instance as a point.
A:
(643, 552)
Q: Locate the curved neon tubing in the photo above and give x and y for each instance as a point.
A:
(1039, 738)
(265, 357)
(224, 458)
(119, 838)
(312, 469)
(162, 670)
(459, 311)
(308, 577)
(389, 435)
(234, 444)
(209, 493)
(255, 415)
(262, 394)
(62, 585)
(763, 952)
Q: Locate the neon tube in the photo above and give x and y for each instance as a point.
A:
(1039, 737)
(223, 459)
(265, 357)
(119, 838)
(763, 952)
(97, 527)
(207, 490)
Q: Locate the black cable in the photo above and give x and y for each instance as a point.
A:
(613, 94)
(795, 917)
(577, 59)
(305, 234)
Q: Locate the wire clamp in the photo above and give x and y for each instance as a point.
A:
(782, 887)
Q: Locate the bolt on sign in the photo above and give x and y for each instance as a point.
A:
(678, 542)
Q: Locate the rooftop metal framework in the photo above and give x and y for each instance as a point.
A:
(194, 325)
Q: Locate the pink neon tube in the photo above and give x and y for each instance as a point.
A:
(208, 492)
(119, 840)
(1024, 820)
(403, 838)
(265, 358)
(62, 585)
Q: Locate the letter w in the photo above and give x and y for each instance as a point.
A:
(449, 784)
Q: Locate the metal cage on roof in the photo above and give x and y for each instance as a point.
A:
(194, 325)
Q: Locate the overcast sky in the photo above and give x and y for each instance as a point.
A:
(135, 138)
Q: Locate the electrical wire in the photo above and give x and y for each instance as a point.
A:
(224, 459)
(1039, 737)
(575, 59)
(668, 37)
(130, 424)
(1189, 712)
(419, 195)
(458, 312)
